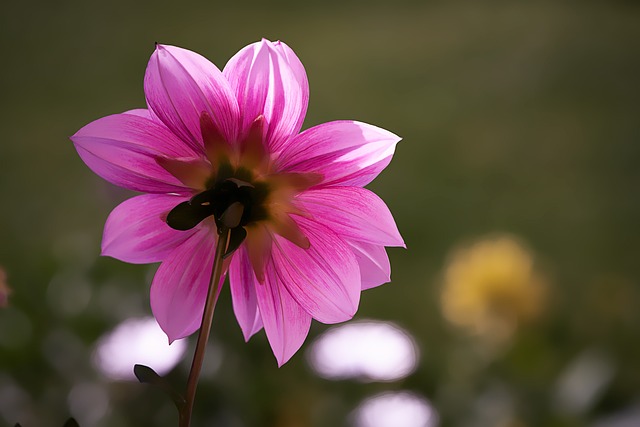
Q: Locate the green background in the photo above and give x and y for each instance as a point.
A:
(519, 117)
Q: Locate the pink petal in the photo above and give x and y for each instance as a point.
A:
(373, 262)
(243, 293)
(180, 285)
(146, 113)
(248, 74)
(290, 96)
(140, 112)
(345, 152)
(324, 279)
(123, 148)
(136, 232)
(285, 322)
(180, 85)
(298, 70)
(352, 212)
(269, 80)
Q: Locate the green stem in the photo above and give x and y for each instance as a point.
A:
(205, 329)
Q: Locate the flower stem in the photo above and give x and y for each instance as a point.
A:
(205, 328)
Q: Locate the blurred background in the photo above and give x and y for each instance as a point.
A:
(515, 188)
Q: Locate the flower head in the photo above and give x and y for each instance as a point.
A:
(491, 286)
(223, 150)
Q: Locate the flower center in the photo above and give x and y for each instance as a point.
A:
(238, 188)
(234, 200)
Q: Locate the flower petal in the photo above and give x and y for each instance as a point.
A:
(290, 96)
(145, 113)
(324, 279)
(269, 80)
(298, 70)
(248, 74)
(285, 322)
(373, 261)
(345, 152)
(122, 148)
(352, 212)
(140, 112)
(243, 284)
(179, 287)
(136, 231)
(180, 85)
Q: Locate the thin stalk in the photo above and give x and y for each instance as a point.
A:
(205, 329)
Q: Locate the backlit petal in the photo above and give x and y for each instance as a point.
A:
(298, 70)
(258, 244)
(352, 212)
(193, 173)
(324, 279)
(122, 148)
(290, 96)
(373, 262)
(345, 152)
(243, 284)
(248, 74)
(180, 285)
(136, 231)
(180, 85)
(270, 80)
(285, 322)
(140, 112)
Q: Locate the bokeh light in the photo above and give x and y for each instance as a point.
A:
(88, 403)
(583, 381)
(627, 417)
(491, 286)
(69, 292)
(15, 402)
(365, 350)
(397, 409)
(136, 341)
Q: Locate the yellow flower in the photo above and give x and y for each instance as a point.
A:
(491, 286)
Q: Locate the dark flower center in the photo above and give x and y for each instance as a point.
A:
(232, 199)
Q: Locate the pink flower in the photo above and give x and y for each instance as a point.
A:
(307, 237)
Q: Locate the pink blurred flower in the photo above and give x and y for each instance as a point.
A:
(5, 290)
(308, 237)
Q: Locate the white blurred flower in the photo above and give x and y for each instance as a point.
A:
(366, 350)
(136, 341)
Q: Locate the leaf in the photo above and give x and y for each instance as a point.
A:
(71, 422)
(146, 375)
